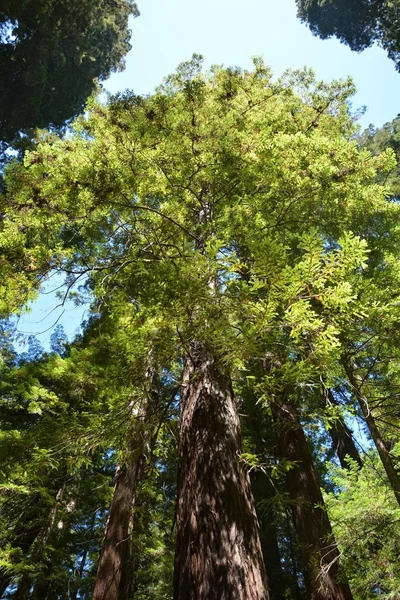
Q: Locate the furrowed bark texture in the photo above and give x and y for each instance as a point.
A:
(114, 578)
(324, 578)
(356, 382)
(342, 439)
(218, 553)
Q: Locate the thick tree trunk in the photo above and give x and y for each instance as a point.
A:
(114, 578)
(356, 383)
(324, 578)
(342, 439)
(218, 553)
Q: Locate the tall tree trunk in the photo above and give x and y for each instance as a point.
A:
(114, 578)
(324, 578)
(356, 382)
(218, 554)
(342, 439)
(258, 427)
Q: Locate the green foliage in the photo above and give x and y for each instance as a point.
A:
(136, 175)
(366, 522)
(154, 532)
(376, 141)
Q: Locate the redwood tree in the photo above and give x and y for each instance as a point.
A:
(216, 219)
(218, 552)
(115, 568)
(324, 578)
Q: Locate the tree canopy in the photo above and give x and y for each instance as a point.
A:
(241, 246)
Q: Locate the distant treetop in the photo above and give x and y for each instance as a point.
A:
(52, 52)
(357, 23)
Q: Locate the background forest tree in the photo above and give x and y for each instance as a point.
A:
(52, 55)
(357, 23)
(241, 248)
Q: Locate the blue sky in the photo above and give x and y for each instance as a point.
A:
(230, 32)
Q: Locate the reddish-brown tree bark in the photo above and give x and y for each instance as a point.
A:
(218, 553)
(114, 573)
(115, 577)
(114, 569)
(323, 575)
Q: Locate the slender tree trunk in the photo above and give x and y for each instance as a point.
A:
(22, 591)
(271, 555)
(324, 578)
(115, 573)
(342, 439)
(218, 554)
(293, 558)
(42, 589)
(115, 578)
(24, 540)
(263, 491)
(356, 383)
(258, 427)
(79, 575)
